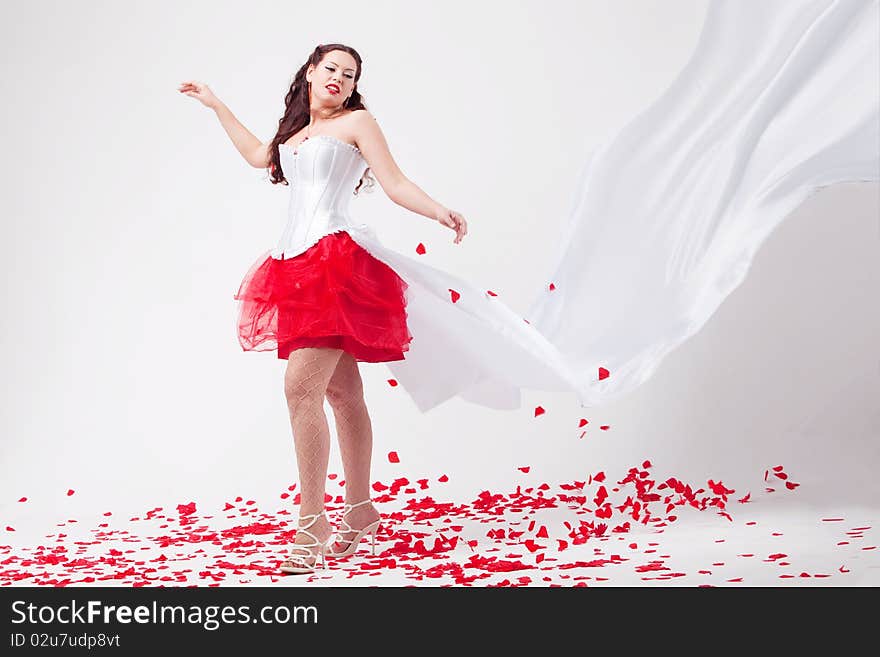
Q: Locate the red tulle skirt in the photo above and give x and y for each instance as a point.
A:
(335, 294)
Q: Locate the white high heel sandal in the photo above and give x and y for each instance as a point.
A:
(300, 562)
(371, 529)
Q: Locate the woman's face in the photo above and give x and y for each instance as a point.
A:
(333, 79)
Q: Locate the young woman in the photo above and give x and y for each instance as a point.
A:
(320, 298)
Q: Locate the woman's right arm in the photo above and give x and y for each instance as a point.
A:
(255, 152)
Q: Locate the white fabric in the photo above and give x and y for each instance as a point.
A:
(776, 102)
(321, 183)
(779, 99)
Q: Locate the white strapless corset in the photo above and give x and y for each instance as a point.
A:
(323, 174)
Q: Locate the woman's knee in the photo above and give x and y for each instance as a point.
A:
(307, 375)
(345, 387)
(345, 396)
(300, 391)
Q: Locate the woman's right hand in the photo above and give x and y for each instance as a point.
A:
(200, 91)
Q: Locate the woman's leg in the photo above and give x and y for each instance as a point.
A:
(345, 392)
(305, 384)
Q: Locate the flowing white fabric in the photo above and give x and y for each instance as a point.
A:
(778, 100)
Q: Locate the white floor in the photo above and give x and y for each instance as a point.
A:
(774, 538)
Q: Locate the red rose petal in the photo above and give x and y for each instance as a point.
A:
(392, 382)
(420, 248)
(539, 410)
(603, 373)
(454, 295)
(393, 458)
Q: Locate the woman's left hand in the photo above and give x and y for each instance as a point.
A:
(454, 220)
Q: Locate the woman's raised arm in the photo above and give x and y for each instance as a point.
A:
(255, 152)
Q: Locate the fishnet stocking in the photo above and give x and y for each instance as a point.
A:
(345, 393)
(305, 383)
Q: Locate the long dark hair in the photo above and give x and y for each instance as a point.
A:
(296, 110)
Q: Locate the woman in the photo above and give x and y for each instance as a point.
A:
(320, 298)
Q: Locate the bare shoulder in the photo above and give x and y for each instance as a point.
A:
(362, 115)
(365, 130)
(364, 126)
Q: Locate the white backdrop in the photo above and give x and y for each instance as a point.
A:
(130, 220)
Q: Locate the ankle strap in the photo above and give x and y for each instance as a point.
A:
(314, 517)
(349, 507)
